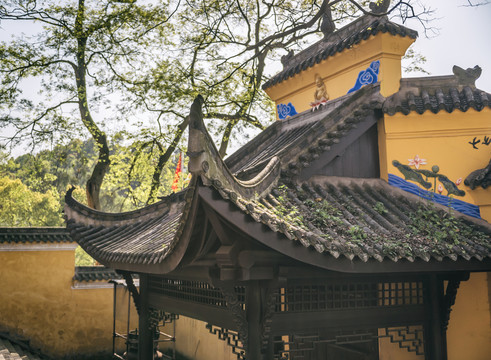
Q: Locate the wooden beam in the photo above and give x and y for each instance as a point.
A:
(253, 315)
(217, 226)
(145, 335)
(435, 337)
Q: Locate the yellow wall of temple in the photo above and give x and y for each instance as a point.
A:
(340, 71)
(469, 330)
(391, 351)
(445, 139)
(38, 303)
(442, 139)
(194, 341)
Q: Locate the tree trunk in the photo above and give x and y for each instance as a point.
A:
(94, 183)
(163, 158)
(226, 138)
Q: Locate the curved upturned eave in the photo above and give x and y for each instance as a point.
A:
(150, 240)
(206, 162)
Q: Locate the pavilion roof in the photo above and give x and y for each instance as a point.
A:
(141, 236)
(358, 220)
(366, 219)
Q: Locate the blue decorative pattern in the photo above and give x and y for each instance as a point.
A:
(368, 76)
(459, 205)
(286, 110)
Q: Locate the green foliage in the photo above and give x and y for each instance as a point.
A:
(323, 215)
(22, 207)
(127, 183)
(59, 168)
(443, 227)
(414, 61)
(357, 233)
(285, 210)
(82, 258)
(380, 208)
(107, 66)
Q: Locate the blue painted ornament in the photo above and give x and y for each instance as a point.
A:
(285, 110)
(368, 76)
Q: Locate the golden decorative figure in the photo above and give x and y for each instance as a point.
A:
(320, 94)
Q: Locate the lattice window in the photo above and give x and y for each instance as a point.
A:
(402, 293)
(327, 296)
(193, 291)
(301, 297)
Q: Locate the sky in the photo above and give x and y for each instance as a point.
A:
(463, 40)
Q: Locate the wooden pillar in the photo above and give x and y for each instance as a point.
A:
(435, 341)
(270, 348)
(145, 337)
(253, 314)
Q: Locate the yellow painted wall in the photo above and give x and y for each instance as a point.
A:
(37, 302)
(442, 139)
(194, 341)
(391, 351)
(340, 71)
(469, 331)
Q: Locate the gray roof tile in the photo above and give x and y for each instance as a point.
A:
(368, 219)
(302, 138)
(34, 235)
(135, 237)
(13, 349)
(435, 94)
(95, 273)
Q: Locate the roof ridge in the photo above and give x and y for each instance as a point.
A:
(34, 235)
(436, 93)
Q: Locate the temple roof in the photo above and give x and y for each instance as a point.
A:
(141, 236)
(336, 42)
(306, 136)
(95, 273)
(363, 221)
(367, 219)
(34, 235)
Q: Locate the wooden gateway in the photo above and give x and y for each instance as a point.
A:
(294, 248)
